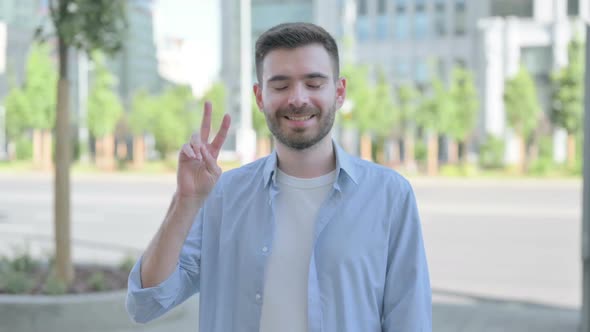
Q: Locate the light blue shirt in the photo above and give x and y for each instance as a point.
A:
(368, 269)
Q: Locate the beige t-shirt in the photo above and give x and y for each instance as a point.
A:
(284, 306)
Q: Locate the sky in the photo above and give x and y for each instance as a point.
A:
(197, 21)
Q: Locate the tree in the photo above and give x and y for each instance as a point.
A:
(216, 94)
(384, 114)
(86, 25)
(175, 119)
(406, 100)
(32, 106)
(433, 115)
(104, 112)
(463, 115)
(263, 134)
(568, 96)
(522, 109)
(362, 96)
(141, 122)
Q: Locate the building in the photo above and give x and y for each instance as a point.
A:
(413, 40)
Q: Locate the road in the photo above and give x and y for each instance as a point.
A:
(497, 241)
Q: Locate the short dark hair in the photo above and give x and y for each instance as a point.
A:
(293, 35)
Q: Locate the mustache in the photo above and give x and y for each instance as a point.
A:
(297, 111)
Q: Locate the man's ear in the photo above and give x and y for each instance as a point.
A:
(340, 92)
(258, 94)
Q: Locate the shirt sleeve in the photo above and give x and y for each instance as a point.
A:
(407, 303)
(146, 304)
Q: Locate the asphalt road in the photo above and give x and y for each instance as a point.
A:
(505, 240)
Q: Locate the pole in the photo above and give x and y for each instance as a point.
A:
(585, 324)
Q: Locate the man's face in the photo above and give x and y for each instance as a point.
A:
(299, 95)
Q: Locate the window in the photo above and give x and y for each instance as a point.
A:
(362, 28)
(460, 18)
(421, 71)
(401, 68)
(402, 26)
(421, 25)
(361, 9)
(573, 7)
(382, 27)
(440, 22)
(382, 7)
(520, 8)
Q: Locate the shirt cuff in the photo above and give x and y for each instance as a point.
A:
(163, 294)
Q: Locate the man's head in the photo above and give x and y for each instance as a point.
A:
(298, 89)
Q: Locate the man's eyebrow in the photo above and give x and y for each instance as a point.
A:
(278, 78)
(306, 76)
(316, 75)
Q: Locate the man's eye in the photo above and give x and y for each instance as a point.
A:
(314, 86)
(279, 88)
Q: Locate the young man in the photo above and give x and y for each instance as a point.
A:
(306, 239)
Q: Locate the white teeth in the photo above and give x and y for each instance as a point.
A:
(300, 118)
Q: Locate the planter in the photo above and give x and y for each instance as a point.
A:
(92, 312)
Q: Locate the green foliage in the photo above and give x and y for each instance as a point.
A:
(143, 112)
(544, 163)
(522, 106)
(434, 112)
(407, 100)
(361, 95)
(461, 170)
(491, 153)
(259, 120)
(54, 286)
(385, 115)
(24, 147)
(32, 106)
(420, 151)
(97, 281)
(216, 94)
(176, 118)
(90, 24)
(16, 282)
(568, 90)
(462, 116)
(15, 273)
(104, 107)
(127, 264)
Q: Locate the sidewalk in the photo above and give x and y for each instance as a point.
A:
(459, 313)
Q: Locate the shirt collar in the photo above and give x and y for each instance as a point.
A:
(344, 163)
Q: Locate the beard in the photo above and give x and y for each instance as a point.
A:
(301, 138)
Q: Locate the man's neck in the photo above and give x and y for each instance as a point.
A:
(312, 162)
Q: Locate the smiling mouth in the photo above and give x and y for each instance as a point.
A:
(299, 118)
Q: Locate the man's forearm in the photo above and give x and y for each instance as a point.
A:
(162, 254)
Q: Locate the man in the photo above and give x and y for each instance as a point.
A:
(306, 239)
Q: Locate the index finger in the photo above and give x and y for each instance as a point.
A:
(221, 135)
(206, 122)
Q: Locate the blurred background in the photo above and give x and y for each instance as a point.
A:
(478, 102)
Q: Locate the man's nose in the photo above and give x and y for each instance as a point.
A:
(298, 97)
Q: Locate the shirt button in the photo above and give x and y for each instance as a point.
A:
(265, 249)
(258, 296)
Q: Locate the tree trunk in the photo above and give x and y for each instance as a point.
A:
(366, 147)
(47, 149)
(262, 147)
(394, 153)
(37, 148)
(522, 157)
(63, 258)
(105, 153)
(571, 150)
(409, 161)
(138, 151)
(453, 153)
(109, 152)
(432, 168)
